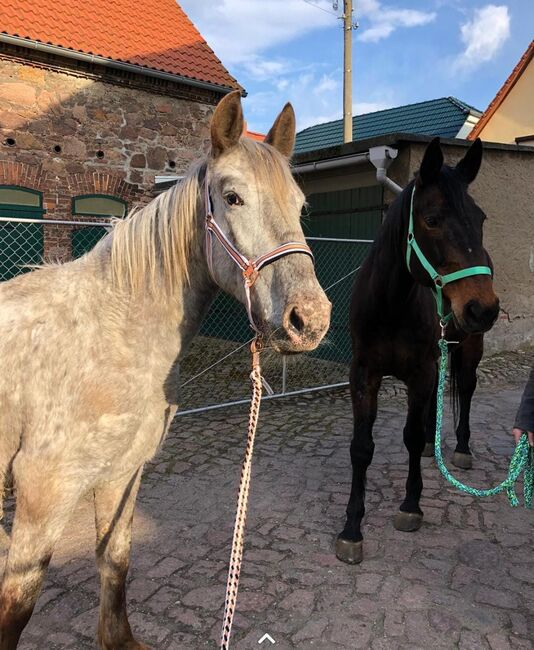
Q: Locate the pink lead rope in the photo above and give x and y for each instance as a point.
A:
(250, 270)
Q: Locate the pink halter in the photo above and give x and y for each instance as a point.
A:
(249, 268)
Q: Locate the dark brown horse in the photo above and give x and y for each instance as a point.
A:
(395, 327)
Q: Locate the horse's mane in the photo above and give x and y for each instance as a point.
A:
(152, 247)
(154, 242)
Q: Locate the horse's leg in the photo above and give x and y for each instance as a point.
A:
(45, 500)
(114, 508)
(420, 388)
(470, 354)
(364, 390)
(430, 426)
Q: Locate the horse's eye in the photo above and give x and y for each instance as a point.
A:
(233, 199)
(431, 221)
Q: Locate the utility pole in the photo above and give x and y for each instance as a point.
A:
(347, 70)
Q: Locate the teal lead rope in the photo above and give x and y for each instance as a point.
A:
(522, 460)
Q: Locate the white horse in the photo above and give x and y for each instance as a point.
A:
(90, 352)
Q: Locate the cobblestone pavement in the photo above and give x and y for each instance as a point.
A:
(465, 580)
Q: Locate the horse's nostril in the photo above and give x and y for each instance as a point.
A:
(473, 309)
(295, 320)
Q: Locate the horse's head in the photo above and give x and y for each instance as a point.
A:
(257, 205)
(448, 228)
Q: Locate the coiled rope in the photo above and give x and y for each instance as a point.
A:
(522, 459)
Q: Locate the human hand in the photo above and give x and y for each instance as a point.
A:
(517, 433)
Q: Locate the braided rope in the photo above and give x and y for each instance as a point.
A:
(238, 539)
(522, 460)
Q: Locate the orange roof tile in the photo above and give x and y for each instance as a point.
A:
(260, 137)
(503, 92)
(154, 34)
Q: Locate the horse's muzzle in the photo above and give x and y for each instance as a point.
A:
(305, 321)
(477, 317)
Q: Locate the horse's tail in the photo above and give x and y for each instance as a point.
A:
(455, 360)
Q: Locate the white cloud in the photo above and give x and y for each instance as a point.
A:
(326, 84)
(384, 20)
(483, 36)
(240, 29)
(359, 108)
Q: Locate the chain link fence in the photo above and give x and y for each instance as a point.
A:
(216, 369)
(27, 242)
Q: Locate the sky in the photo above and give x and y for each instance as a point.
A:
(404, 51)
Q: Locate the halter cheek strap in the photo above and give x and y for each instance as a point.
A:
(439, 280)
(250, 268)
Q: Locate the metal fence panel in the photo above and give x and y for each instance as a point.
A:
(216, 368)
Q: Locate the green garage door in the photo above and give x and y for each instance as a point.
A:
(21, 243)
(343, 215)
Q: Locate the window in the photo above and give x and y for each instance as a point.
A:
(21, 241)
(98, 205)
(20, 202)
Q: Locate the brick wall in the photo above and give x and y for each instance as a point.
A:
(68, 129)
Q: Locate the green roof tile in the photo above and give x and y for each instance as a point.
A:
(443, 117)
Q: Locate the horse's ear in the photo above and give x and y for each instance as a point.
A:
(282, 133)
(432, 163)
(226, 124)
(470, 164)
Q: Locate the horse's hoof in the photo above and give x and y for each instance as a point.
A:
(463, 461)
(408, 522)
(428, 451)
(349, 552)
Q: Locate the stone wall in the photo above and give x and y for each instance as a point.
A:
(66, 129)
(504, 189)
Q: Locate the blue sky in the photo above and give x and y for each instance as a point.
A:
(404, 51)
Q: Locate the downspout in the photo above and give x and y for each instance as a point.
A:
(382, 157)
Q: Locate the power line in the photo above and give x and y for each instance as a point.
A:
(308, 2)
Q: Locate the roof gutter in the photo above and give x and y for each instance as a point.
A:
(355, 159)
(111, 63)
(381, 157)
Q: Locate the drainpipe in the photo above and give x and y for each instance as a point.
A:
(382, 157)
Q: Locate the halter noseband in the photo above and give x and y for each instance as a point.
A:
(439, 280)
(250, 268)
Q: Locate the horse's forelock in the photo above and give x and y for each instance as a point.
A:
(271, 169)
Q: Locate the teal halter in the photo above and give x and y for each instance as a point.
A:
(439, 280)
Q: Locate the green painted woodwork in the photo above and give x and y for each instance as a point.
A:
(19, 197)
(21, 244)
(99, 205)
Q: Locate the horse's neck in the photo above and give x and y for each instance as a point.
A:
(160, 326)
(391, 279)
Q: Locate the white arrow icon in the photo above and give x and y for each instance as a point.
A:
(266, 637)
